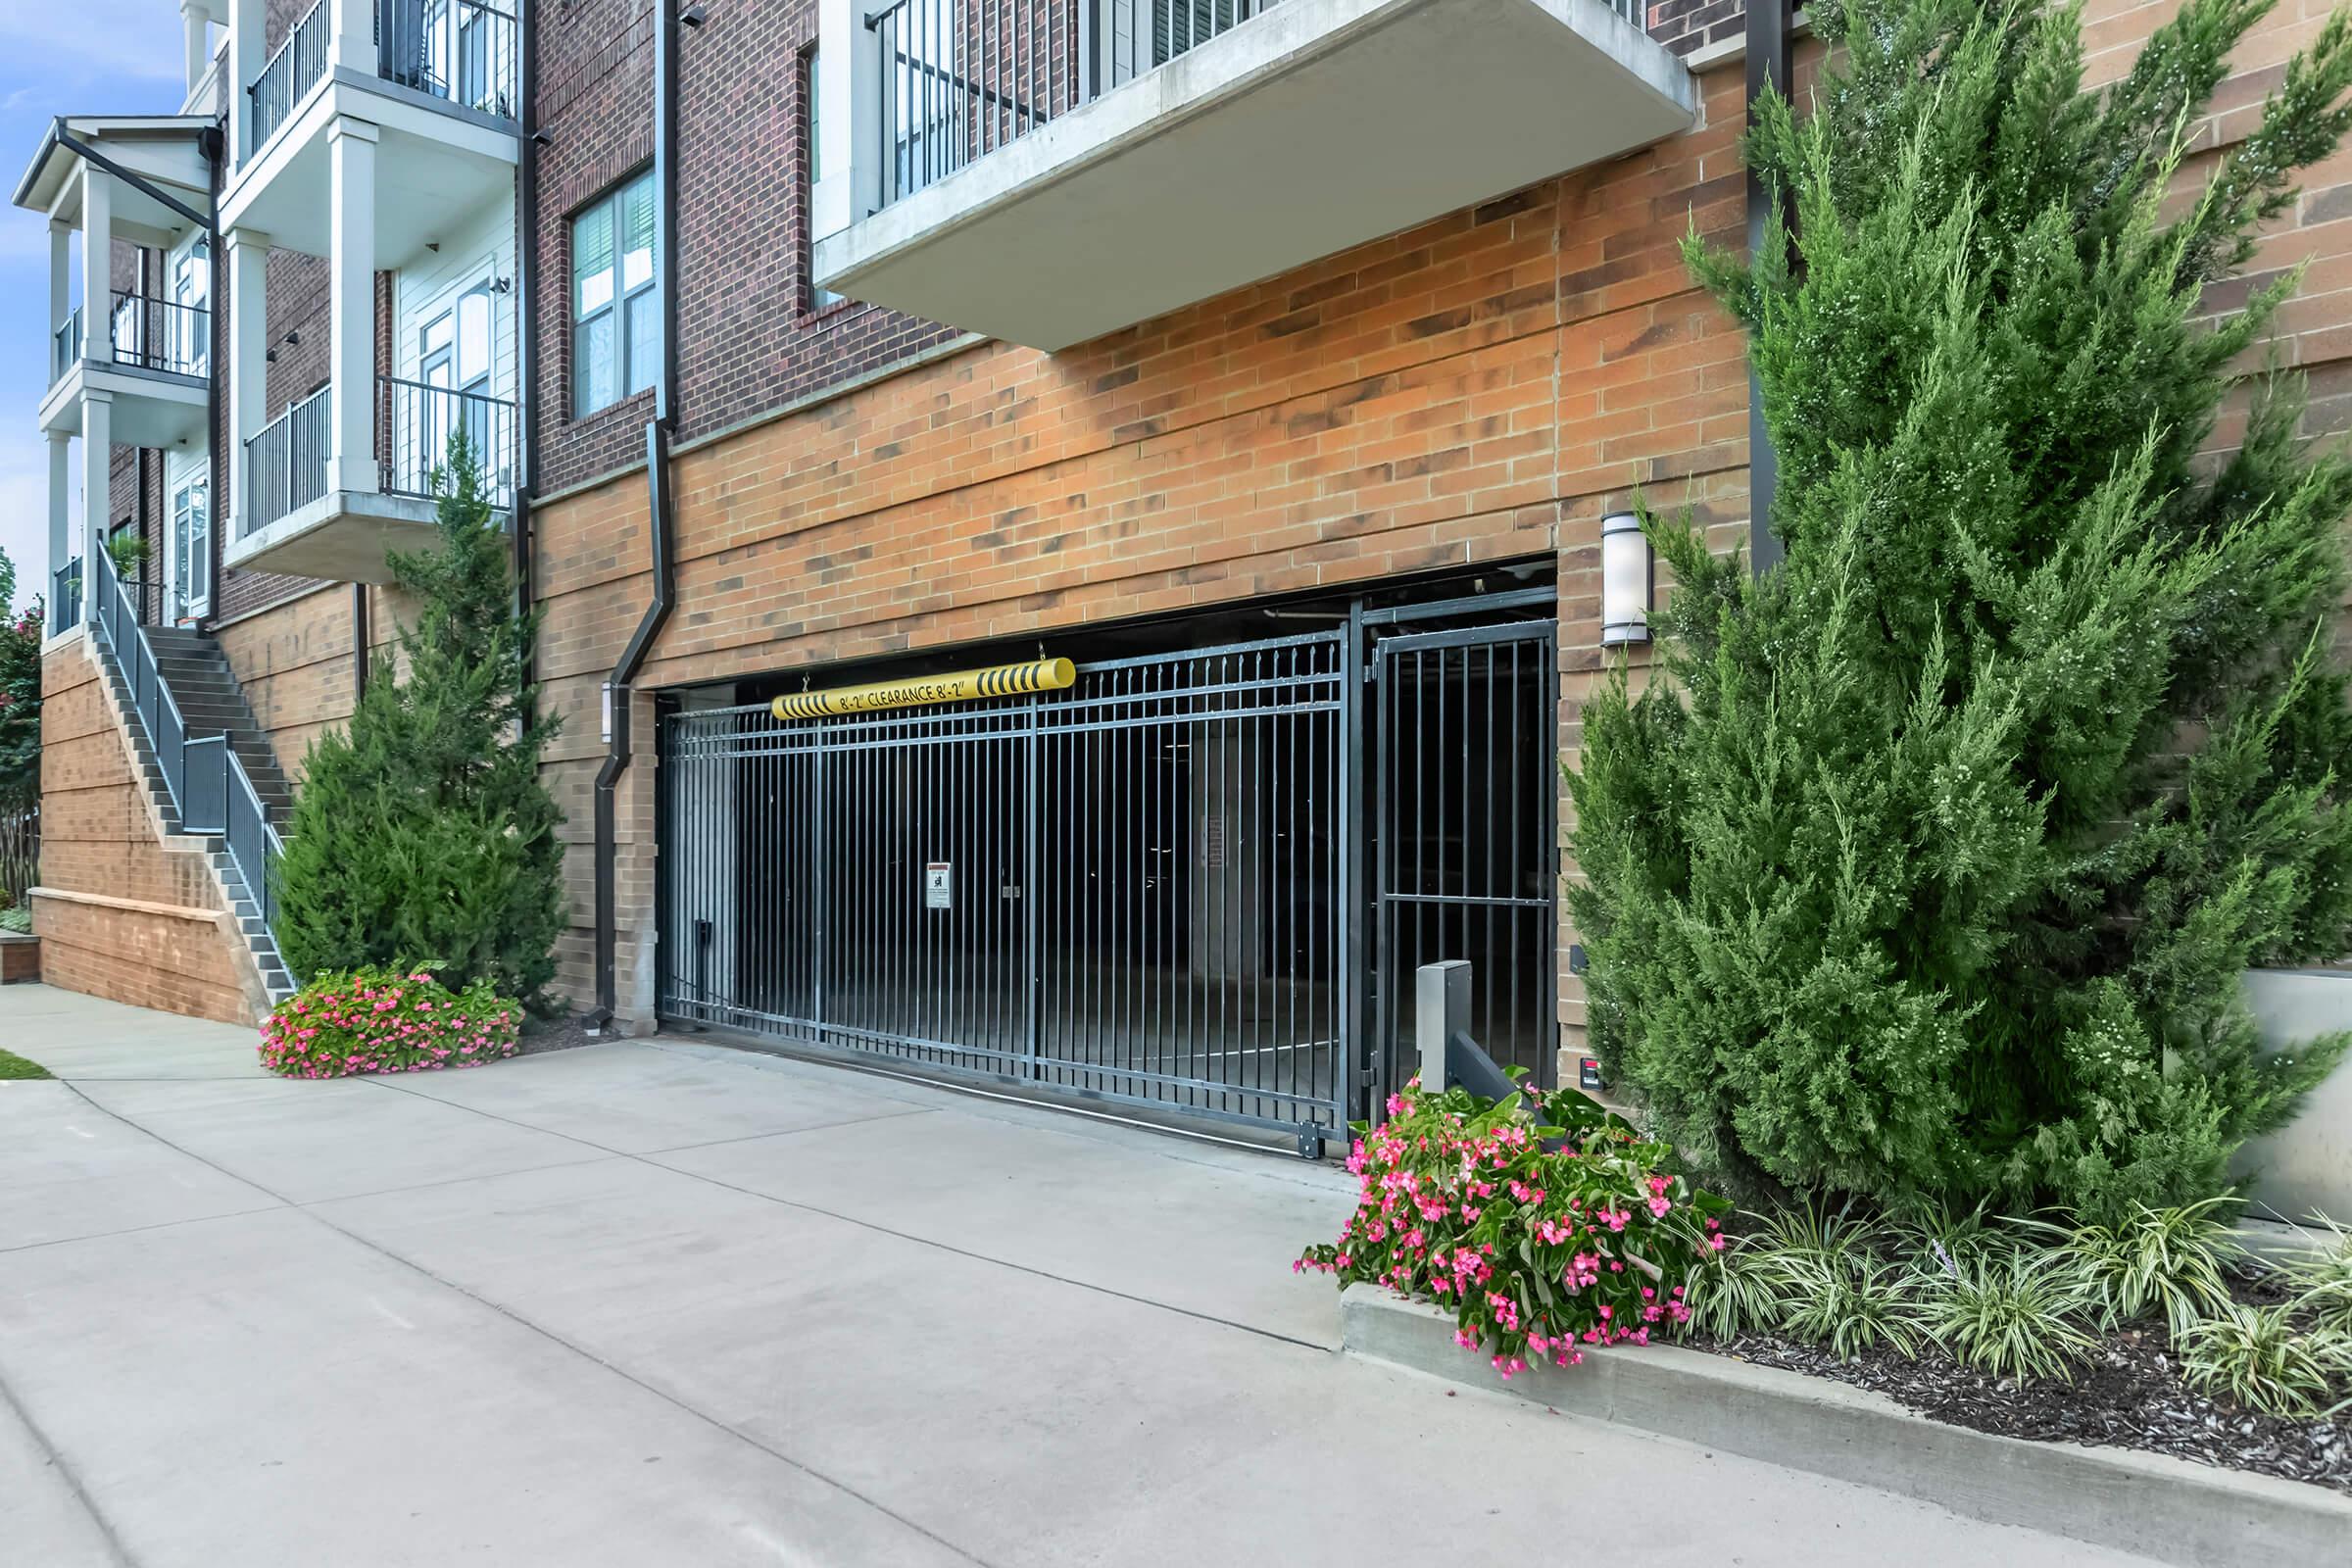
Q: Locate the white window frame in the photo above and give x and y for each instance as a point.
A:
(189, 560)
(617, 306)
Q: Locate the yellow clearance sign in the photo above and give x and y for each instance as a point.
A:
(1001, 680)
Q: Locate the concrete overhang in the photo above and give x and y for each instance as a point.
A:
(435, 164)
(166, 149)
(343, 536)
(154, 408)
(1313, 127)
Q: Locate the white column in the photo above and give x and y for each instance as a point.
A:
(60, 521)
(248, 52)
(97, 461)
(351, 39)
(97, 261)
(351, 303)
(61, 291)
(191, 28)
(247, 264)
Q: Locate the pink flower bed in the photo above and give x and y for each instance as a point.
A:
(1539, 1252)
(387, 1021)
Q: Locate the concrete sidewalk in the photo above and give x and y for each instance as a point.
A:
(659, 1301)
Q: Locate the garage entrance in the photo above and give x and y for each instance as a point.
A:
(1188, 882)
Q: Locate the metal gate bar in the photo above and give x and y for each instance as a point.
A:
(1139, 882)
(1467, 832)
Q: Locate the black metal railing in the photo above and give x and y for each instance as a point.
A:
(414, 421)
(287, 76)
(460, 50)
(64, 345)
(286, 466)
(65, 597)
(204, 776)
(157, 334)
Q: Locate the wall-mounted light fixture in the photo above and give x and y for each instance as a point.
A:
(1627, 574)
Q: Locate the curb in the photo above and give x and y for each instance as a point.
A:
(2161, 1507)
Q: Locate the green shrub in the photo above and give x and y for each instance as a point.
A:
(2259, 1357)
(1855, 1302)
(423, 830)
(2168, 1260)
(1898, 881)
(387, 1021)
(2321, 1279)
(2010, 1311)
(1538, 1251)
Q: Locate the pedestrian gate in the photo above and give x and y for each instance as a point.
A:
(1154, 887)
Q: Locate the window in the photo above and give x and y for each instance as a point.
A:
(812, 169)
(613, 322)
(452, 353)
(191, 282)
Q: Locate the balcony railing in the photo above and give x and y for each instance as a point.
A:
(64, 347)
(287, 76)
(961, 79)
(414, 421)
(65, 598)
(286, 466)
(161, 334)
(460, 50)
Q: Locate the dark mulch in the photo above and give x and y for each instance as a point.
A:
(554, 1034)
(2128, 1396)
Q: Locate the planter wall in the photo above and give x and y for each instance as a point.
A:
(2306, 1164)
(20, 958)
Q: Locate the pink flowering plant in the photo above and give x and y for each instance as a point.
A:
(1546, 1229)
(387, 1021)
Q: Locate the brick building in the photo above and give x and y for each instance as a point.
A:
(1276, 366)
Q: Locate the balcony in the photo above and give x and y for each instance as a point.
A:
(436, 81)
(1048, 170)
(152, 364)
(294, 518)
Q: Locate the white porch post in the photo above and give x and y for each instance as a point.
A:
(61, 520)
(60, 290)
(97, 262)
(248, 268)
(351, 36)
(192, 29)
(351, 304)
(248, 52)
(97, 471)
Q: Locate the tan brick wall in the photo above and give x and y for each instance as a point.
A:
(98, 839)
(294, 662)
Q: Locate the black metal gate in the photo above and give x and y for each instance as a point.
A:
(1136, 889)
(1466, 835)
(1159, 887)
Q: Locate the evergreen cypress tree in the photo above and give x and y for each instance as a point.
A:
(422, 834)
(1932, 862)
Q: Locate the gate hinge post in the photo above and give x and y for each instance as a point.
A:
(1310, 1141)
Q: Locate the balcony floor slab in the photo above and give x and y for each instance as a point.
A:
(1311, 128)
(343, 536)
(151, 408)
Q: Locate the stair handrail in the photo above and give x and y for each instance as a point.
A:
(119, 628)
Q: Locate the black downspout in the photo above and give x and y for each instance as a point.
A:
(658, 501)
(526, 275)
(1767, 70)
(362, 633)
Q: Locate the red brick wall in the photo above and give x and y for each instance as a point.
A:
(748, 342)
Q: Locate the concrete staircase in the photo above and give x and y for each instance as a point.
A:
(204, 689)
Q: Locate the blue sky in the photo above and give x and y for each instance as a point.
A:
(57, 57)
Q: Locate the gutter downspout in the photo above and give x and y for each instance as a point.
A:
(616, 695)
(526, 274)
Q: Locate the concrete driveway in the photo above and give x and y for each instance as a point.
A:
(654, 1302)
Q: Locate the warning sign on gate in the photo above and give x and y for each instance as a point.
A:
(939, 885)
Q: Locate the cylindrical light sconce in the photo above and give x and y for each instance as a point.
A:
(1626, 579)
